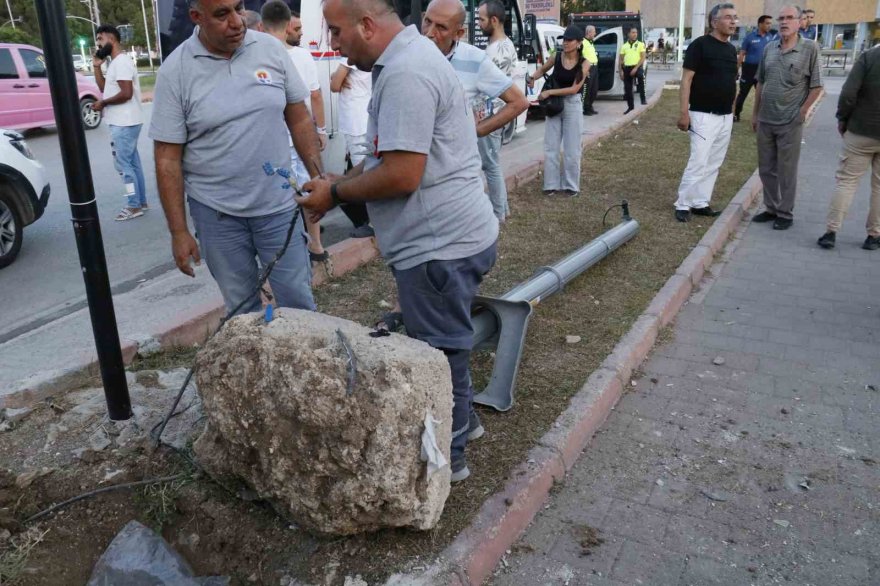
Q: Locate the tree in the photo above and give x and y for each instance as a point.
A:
(17, 35)
(575, 6)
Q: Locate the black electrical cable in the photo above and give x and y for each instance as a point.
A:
(617, 205)
(98, 491)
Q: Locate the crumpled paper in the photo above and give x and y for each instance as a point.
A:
(431, 452)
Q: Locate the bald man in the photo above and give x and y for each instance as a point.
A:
(422, 185)
(492, 97)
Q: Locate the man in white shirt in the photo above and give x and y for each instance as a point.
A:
(354, 88)
(121, 104)
(286, 26)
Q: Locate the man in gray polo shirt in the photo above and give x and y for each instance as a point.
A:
(224, 103)
(434, 223)
(789, 83)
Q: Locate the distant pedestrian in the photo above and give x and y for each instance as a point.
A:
(121, 103)
(591, 86)
(434, 223)
(808, 30)
(750, 53)
(563, 132)
(216, 151)
(708, 89)
(858, 115)
(286, 26)
(354, 88)
(789, 83)
(632, 68)
(494, 112)
(253, 20)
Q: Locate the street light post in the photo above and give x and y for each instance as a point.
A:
(680, 47)
(91, 18)
(11, 18)
(84, 209)
(147, 34)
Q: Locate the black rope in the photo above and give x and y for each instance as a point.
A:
(617, 205)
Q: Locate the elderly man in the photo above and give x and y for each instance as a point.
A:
(708, 89)
(789, 83)
(219, 154)
(858, 115)
(483, 83)
(591, 86)
(434, 223)
(253, 20)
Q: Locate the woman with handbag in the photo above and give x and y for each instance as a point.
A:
(561, 99)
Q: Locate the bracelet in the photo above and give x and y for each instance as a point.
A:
(321, 130)
(334, 195)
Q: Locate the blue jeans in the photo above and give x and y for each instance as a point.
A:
(490, 154)
(124, 142)
(231, 246)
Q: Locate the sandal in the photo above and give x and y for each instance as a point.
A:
(127, 214)
(322, 257)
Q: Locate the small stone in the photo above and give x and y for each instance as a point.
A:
(781, 522)
(99, 440)
(385, 305)
(572, 339)
(659, 482)
(784, 411)
(5, 534)
(718, 361)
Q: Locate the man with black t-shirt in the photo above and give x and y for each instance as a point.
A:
(708, 90)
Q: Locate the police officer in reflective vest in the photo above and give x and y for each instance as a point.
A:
(591, 86)
(632, 61)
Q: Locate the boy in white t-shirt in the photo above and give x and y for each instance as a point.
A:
(286, 26)
(121, 104)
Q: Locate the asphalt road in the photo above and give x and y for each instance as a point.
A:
(45, 282)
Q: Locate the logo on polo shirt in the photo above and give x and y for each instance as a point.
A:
(263, 76)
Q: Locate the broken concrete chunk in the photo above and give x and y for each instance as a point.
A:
(718, 361)
(281, 420)
(137, 556)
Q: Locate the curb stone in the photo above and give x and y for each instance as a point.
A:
(476, 551)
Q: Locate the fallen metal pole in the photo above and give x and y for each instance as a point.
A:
(81, 191)
(501, 323)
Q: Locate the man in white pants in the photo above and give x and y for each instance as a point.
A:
(708, 91)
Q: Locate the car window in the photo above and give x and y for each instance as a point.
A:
(7, 65)
(33, 62)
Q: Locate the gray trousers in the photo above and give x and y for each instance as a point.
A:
(779, 150)
(564, 130)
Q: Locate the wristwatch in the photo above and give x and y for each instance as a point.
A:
(334, 195)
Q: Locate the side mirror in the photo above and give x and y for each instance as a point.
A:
(530, 26)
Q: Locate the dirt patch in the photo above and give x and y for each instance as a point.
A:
(587, 537)
(219, 534)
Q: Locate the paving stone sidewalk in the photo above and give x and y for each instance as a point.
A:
(748, 451)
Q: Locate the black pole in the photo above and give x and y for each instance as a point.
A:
(81, 191)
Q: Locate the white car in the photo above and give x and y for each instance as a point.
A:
(24, 193)
(81, 64)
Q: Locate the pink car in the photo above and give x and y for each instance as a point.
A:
(25, 101)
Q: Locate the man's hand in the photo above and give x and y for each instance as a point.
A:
(98, 106)
(634, 71)
(621, 75)
(684, 122)
(841, 127)
(97, 62)
(318, 200)
(325, 140)
(184, 247)
(803, 114)
(755, 122)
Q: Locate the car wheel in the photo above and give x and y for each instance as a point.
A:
(90, 117)
(11, 230)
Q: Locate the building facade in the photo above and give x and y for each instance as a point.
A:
(847, 24)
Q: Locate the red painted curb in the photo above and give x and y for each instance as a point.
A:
(633, 347)
(478, 548)
(586, 413)
(669, 300)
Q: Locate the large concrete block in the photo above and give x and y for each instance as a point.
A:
(282, 419)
